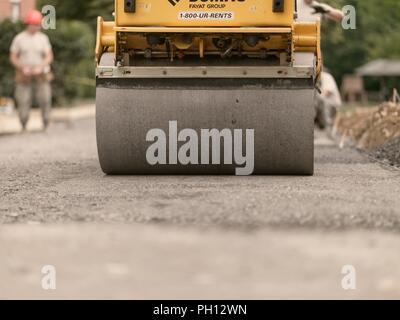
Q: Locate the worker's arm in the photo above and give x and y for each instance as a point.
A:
(328, 11)
(48, 59)
(15, 61)
(335, 14)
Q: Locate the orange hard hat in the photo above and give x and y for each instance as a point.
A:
(34, 18)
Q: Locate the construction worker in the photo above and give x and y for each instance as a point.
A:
(310, 10)
(329, 101)
(31, 55)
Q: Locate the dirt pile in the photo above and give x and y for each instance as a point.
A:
(370, 128)
(376, 130)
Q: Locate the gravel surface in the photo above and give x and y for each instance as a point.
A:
(192, 237)
(55, 178)
(390, 153)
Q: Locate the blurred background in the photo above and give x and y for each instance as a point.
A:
(375, 43)
(73, 43)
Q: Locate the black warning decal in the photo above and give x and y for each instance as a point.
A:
(174, 2)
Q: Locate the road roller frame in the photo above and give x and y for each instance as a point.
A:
(183, 52)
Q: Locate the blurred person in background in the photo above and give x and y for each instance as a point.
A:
(31, 55)
(329, 101)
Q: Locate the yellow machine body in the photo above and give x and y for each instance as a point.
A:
(227, 64)
(277, 32)
(186, 13)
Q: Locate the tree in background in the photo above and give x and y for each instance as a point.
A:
(8, 30)
(73, 67)
(377, 36)
(86, 11)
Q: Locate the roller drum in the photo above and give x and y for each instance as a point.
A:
(280, 111)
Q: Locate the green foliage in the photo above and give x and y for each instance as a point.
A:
(377, 35)
(86, 11)
(7, 32)
(73, 43)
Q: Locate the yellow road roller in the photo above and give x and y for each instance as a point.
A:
(188, 87)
